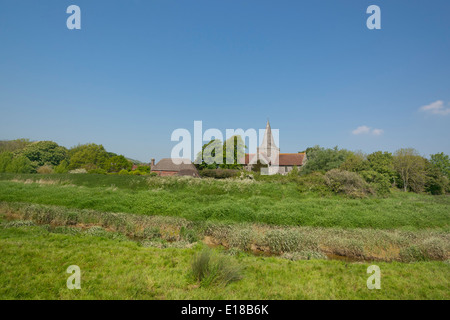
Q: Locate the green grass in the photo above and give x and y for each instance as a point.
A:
(33, 265)
(357, 243)
(227, 201)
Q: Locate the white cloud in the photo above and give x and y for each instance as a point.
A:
(367, 130)
(377, 132)
(361, 130)
(436, 107)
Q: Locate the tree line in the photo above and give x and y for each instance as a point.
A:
(24, 156)
(405, 169)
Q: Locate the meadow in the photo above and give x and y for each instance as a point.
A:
(231, 201)
(34, 261)
(135, 237)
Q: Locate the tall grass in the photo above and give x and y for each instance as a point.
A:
(209, 268)
(308, 242)
(228, 201)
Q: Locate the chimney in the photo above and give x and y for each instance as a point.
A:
(152, 163)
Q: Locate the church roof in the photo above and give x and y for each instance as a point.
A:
(167, 164)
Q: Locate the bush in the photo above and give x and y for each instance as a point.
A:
(5, 160)
(20, 164)
(152, 233)
(208, 269)
(63, 167)
(45, 169)
(97, 171)
(124, 172)
(314, 182)
(219, 173)
(380, 182)
(345, 182)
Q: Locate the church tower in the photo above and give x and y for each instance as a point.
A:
(268, 150)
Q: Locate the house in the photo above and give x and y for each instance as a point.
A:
(268, 153)
(174, 167)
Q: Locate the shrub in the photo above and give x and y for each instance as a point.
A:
(97, 171)
(208, 269)
(124, 172)
(314, 182)
(152, 233)
(45, 169)
(20, 164)
(5, 159)
(219, 173)
(188, 234)
(346, 182)
(63, 167)
(378, 181)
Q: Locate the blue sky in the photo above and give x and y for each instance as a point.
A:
(137, 70)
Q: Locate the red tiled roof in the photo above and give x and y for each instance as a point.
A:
(291, 159)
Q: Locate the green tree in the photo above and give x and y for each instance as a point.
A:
(116, 164)
(5, 160)
(382, 162)
(411, 168)
(441, 161)
(211, 152)
(63, 167)
(233, 152)
(321, 159)
(44, 152)
(20, 164)
(88, 156)
(355, 163)
(436, 182)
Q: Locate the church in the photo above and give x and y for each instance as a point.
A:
(268, 153)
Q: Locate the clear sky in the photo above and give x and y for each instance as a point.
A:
(137, 70)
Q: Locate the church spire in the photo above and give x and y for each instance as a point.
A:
(268, 146)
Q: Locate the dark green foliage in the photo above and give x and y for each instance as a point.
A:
(189, 235)
(97, 171)
(441, 161)
(380, 182)
(383, 163)
(219, 173)
(355, 163)
(44, 152)
(215, 152)
(116, 163)
(436, 183)
(349, 183)
(321, 159)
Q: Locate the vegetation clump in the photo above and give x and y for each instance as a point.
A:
(209, 268)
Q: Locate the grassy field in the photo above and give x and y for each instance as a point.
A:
(135, 238)
(33, 265)
(227, 201)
